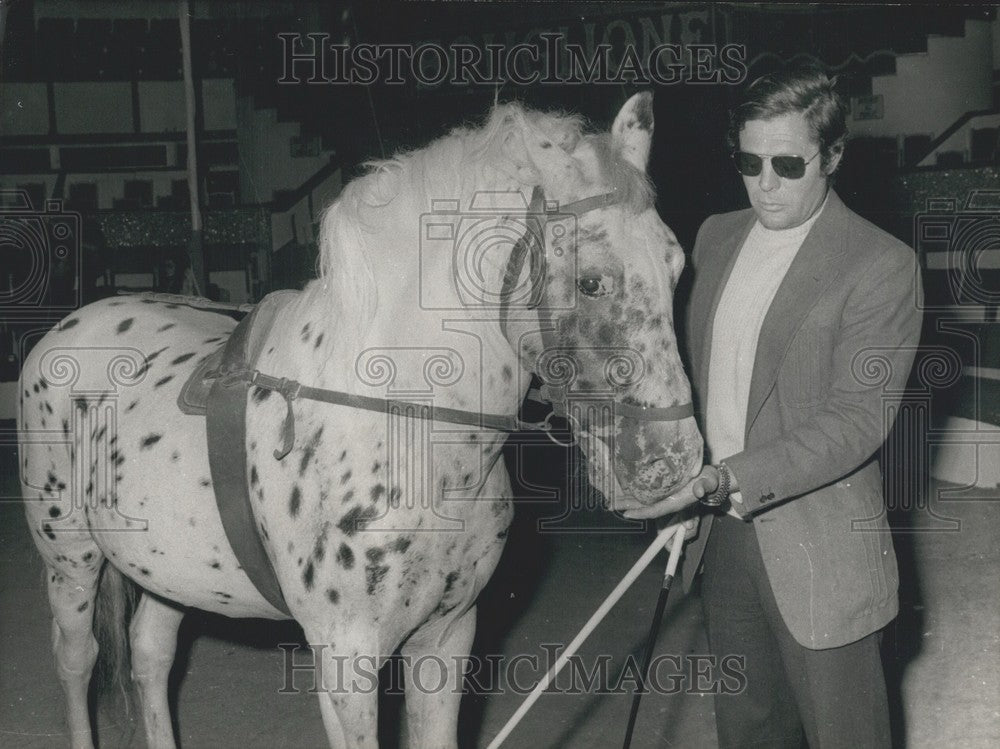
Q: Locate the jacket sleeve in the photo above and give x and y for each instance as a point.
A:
(872, 357)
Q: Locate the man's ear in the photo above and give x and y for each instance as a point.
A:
(836, 152)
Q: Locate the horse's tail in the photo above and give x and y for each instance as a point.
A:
(117, 597)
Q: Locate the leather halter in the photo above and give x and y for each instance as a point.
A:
(529, 247)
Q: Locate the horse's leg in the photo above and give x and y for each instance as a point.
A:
(433, 693)
(71, 597)
(154, 643)
(347, 701)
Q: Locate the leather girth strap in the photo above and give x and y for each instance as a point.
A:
(227, 432)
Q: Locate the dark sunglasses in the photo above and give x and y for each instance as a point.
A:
(787, 167)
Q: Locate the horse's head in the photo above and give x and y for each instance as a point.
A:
(583, 283)
(600, 268)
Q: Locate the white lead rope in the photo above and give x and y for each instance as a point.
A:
(677, 531)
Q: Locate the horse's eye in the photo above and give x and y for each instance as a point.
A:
(594, 286)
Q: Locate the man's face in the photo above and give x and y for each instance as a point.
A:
(780, 202)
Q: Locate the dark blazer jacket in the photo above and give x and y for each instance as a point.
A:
(833, 357)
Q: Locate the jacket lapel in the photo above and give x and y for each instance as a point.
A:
(811, 272)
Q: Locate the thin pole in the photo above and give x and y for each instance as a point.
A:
(196, 245)
(654, 629)
(671, 531)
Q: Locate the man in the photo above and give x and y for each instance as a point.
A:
(802, 327)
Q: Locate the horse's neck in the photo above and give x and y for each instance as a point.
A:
(451, 359)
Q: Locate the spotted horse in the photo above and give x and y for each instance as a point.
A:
(447, 275)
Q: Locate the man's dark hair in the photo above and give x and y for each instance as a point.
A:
(800, 87)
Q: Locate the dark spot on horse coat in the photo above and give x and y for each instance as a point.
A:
(305, 332)
(319, 340)
(295, 501)
(156, 353)
(144, 571)
(163, 380)
(375, 553)
(183, 358)
(348, 496)
(346, 477)
(166, 327)
(67, 324)
(260, 394)
(216, 565)
(374, 574)
(310, 450)
(332, 595)
(507, 373)
(401, 544)
(124, 325)
(35, 388)
(253, 476)
(83, 606)
(54, 512)
(345, 557)
(355, 519)
(377, 491)
(307, 575)
(151, 440)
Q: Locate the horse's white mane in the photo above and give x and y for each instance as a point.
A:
(454, 166)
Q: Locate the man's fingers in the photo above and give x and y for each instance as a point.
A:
(663, 507)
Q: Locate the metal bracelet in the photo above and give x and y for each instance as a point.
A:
(720, 496)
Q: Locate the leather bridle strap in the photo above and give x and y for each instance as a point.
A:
(292, 389)
(530, 246)
(556, 395)
(526, 246)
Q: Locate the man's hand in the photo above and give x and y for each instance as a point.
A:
(701, 485)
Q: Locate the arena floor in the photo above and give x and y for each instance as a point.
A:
(943, 652)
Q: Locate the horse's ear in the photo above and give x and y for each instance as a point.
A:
(632, 132)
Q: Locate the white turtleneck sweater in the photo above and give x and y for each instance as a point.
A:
(760, 267)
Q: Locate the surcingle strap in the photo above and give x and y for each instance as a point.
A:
(227, 432)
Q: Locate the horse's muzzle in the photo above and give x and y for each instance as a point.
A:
(653, 459)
